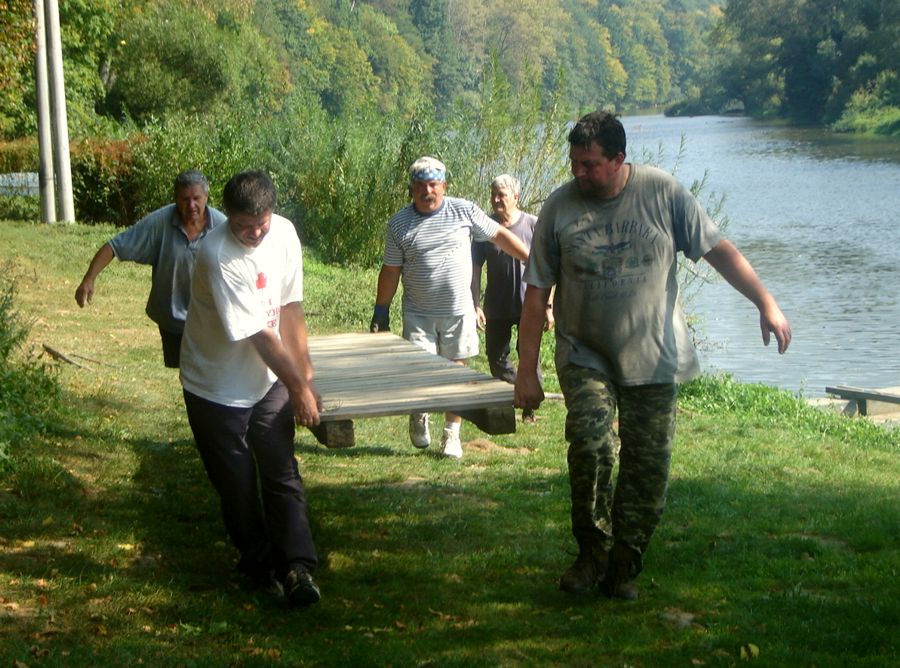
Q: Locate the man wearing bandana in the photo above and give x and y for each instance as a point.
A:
(428, 246)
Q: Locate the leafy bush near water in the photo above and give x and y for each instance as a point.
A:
(29, 390)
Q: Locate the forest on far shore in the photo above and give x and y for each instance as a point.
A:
(335, 98)
(129, 62)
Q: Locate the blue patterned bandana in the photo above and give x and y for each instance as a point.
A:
(429, 175)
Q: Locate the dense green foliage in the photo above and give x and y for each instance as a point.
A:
(813, 61)
(132, 61)
(336, 97)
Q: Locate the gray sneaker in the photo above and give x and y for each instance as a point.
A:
(418, 430)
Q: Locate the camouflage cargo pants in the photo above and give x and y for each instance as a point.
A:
(646, 432)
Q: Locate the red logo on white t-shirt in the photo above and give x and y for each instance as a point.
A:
(260, 281)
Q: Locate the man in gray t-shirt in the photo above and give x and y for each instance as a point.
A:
(608, 240)
(167, 239)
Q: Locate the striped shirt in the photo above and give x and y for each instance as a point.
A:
(435, 253)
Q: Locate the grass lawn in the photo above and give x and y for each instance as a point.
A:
(779, 545)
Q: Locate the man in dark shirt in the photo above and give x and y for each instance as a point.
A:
(501, 307)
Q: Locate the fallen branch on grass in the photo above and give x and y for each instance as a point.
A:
(62, 357)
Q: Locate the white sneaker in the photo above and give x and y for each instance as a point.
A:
(451, 445)
(418, 430)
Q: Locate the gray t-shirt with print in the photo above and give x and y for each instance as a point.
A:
(614, 264)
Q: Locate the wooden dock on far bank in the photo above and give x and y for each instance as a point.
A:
(868, 402)
(374, 375)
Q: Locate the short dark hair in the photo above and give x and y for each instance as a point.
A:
(249, 192)
(190, 177)
(602, 128)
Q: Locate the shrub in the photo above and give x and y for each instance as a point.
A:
(19, 155)
(29, 390)
(342, 180)
(508, 130)
(874, 108)
(20, 207)
(104, 181)
(348, 176)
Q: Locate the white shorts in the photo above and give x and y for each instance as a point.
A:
(454, 337)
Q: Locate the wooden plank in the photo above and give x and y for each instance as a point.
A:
(375, 375)
(868, 401)
(425, 400)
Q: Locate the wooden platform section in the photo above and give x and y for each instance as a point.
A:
(374, 375)
(869, 401)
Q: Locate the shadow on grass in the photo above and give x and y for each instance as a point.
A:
(432, 562)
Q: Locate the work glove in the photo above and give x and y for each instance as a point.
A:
(381, 319)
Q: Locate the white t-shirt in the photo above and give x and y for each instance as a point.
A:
(236, 292)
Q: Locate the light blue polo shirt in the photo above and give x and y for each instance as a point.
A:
(158, 239)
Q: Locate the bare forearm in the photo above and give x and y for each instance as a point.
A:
(734, 268)
(531, 327)
(295, 339)
(100, 261)
(476, 286)
(510, 244)
(84, 293)
(388, 282)
(275, 354)
(731, 264)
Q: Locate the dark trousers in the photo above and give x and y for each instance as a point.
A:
(497, 339)
(171, 347)
(248, 454)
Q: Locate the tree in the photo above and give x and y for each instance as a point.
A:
(454, 70)
(806, 59)
(16, 67)
(404, 81)
(176, 58)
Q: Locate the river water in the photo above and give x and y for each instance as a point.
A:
(818, 216)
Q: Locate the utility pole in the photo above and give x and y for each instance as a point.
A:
(42, 91)
(58, 113)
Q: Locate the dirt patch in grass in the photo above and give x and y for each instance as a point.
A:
(485, 445)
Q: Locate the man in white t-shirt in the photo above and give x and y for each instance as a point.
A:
(429, 245)
(247, 377)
